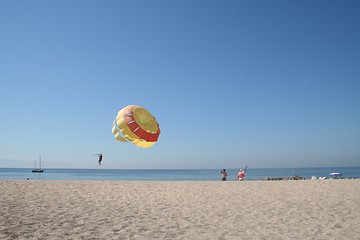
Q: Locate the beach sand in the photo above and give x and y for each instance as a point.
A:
(304, 209)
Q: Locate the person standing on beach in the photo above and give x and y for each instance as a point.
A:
(223, 175)
(241, 174)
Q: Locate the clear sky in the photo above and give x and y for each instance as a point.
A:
(231, 83)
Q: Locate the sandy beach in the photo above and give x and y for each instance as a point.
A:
(304, 209)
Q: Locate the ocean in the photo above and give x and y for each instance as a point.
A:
(172, 174)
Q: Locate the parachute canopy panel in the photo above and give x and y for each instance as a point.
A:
(135, 124)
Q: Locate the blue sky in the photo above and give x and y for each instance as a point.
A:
(231, 83)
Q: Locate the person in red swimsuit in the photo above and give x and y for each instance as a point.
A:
(241, 174)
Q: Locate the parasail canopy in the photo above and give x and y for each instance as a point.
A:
(135, 124)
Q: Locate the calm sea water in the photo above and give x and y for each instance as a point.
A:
(171, 174)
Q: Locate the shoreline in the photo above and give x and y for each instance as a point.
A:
(174, 175)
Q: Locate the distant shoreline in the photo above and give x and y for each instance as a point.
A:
(175, 174)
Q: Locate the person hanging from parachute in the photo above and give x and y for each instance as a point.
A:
(241, 174)
(100, 157)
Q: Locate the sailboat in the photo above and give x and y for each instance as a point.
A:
(38, 169)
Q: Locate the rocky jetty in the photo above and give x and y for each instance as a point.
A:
(285, 178)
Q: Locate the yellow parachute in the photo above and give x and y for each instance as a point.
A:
(135, 124)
